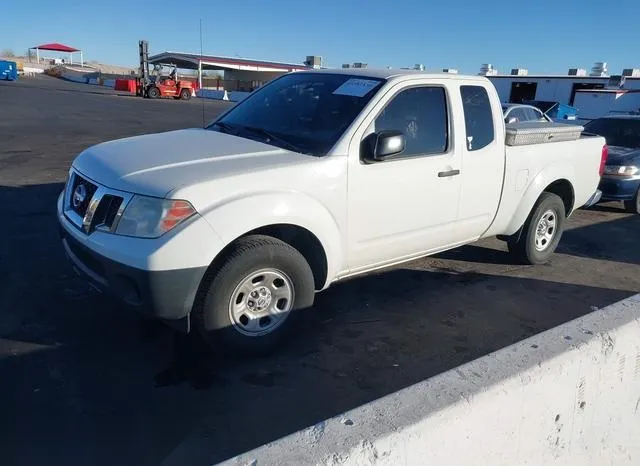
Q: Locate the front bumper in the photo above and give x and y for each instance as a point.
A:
(164, 294)
(619, 189)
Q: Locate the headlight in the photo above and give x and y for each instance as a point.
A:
(150, 217)
(618, 170)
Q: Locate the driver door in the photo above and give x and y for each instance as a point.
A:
(406, 206)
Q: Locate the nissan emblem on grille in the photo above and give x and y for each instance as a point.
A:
(79, 195)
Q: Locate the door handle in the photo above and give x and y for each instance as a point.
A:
(448, 173)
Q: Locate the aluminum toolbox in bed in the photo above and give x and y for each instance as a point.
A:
(539, 132)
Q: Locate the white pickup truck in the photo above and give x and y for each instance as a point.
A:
(321, 175)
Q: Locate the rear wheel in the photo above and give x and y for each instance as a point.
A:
(253, 300)
(153, 92)
(633, 205)
(541, 232)
(185, 94)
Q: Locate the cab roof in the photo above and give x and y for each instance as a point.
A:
(383, 73)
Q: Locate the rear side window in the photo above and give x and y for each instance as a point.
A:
(478, 117)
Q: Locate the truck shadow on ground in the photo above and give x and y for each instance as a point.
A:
(615, 240)
(96, 385)
(610, 207)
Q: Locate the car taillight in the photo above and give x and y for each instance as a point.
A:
(603, 158)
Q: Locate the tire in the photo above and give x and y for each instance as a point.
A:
(633, 206)
(234, 292)
(537, 241)
(185, 94)
(153, 92)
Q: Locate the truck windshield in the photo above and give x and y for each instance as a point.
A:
(303, 112)
(617, 131)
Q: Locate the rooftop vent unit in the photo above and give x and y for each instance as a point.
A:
(615, 82)
(450, 70)
(418, 66)
(313, 61)
(346, 65)
(599, 69)
(359, 65)
(487, 69)
(577, 72)
(519, 72)
(631, 72)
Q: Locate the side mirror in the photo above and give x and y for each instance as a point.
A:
(383, 145)
(512, 120)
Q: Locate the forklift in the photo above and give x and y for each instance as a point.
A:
(155, 84)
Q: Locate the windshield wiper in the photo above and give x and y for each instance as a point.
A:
(226, 127)
(273, 138)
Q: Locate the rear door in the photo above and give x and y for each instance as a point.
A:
(483, 161)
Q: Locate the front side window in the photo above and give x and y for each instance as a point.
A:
(421, 114)
(478, 117)
(303, 112)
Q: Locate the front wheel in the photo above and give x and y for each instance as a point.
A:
(185, 94)
(153, 92)
(633, 205)
(541, 232)
(253, 300)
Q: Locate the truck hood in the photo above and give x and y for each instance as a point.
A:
(156, 164)
(622, 155)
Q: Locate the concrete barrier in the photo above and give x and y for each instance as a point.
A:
(568, 396)
(30, 71)
(212, 94)
(237, 96)
(109, 83)
(74, 78)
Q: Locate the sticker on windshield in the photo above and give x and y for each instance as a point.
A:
(356, 87)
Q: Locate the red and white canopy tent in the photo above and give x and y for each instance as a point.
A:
(55, 47)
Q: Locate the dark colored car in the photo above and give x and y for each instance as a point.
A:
(621, 179)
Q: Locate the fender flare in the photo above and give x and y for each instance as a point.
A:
(558, 171)
(232, 218)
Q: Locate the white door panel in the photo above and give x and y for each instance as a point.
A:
(409, 204)
(400, 208)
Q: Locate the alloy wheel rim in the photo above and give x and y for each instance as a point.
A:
(546, 230)
(261, 302)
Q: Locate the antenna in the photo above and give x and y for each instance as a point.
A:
(200, 74)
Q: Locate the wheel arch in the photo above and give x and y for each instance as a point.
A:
(556, 180)
(564, 190)
(295, 219)
(301, 239)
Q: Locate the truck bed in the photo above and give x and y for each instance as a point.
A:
(530, 167)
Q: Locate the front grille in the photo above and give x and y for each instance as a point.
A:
(106, 211)
(81, 193)
(96, 207)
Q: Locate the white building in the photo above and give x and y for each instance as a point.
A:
(594, 95)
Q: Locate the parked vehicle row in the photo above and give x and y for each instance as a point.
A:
(231, 229)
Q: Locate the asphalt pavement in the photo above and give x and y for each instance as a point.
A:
(85, 382)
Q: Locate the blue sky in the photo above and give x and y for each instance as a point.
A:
(543, 36)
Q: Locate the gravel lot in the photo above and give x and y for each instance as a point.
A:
(83, 382)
